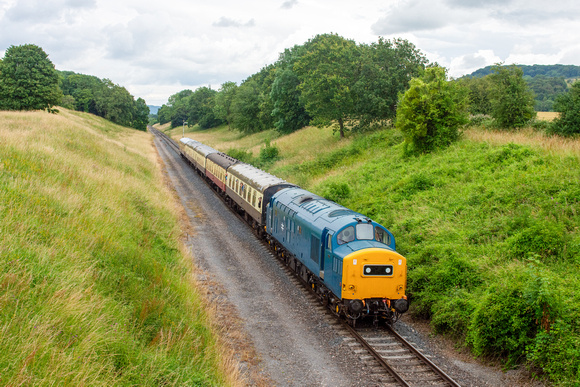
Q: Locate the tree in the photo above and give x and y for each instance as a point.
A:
(28, 80)
(479, 94)
(512, 102)
(141, 115)
(431, 111)
(178, 107)
(386, 70)
(223, 102)
(568, 104)
(289, 112)
(328, 71)
(201, 108)
(246, 107)
(115, 104)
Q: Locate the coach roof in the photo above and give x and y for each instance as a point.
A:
(255, 176)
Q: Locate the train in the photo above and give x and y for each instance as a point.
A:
(346, 258)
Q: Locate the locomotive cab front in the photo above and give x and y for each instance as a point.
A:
(374, 275)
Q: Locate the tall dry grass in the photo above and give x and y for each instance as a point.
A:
(553, 145)
(93, 287)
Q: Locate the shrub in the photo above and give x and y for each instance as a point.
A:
(480, 120)
(241, 154)
(544, 239)
(431, 111)
(269, 153)
(502, 323)
(337, 192)
(568, 123)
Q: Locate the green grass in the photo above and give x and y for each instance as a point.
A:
(94, 289)
(490, 227)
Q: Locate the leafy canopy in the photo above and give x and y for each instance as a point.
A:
(328, 72)
(28, 80)
(431, 111)
(512, 102)
(568, 104)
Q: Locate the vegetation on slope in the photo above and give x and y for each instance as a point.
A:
(93, 287)
(490, 227)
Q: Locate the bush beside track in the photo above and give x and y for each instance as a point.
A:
(490, 227)
(93, 287)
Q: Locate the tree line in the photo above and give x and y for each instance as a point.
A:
(546, 81)
(329, 80)
(29, 81)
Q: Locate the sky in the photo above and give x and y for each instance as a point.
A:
(157, 48)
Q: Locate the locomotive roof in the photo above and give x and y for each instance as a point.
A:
(255, 176)
(318, 209)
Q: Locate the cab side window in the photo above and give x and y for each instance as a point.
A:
(382, 236)
(346, 235)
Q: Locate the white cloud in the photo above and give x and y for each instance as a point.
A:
(155, 49)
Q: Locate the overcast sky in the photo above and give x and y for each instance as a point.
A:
(157, 48)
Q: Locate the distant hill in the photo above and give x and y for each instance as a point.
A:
(554, 71)
(546, 81)
(153, 109)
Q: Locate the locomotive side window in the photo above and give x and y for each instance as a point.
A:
(364, 231)
(346, 235)
(382, 236)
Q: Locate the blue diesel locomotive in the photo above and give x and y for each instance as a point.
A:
(346, 258)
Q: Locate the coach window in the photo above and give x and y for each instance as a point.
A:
(346, 235)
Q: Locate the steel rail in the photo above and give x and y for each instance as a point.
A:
(375, 354)
(428, 362)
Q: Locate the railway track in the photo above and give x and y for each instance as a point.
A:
(165, 138)
(392, 359)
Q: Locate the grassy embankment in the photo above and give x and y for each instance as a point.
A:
(490, 227)
(94, 289)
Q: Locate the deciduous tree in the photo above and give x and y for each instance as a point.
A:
(328, 71)
(568, 104)
(512, 102)
(386, 69)
(28, 80)
(223, 102)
